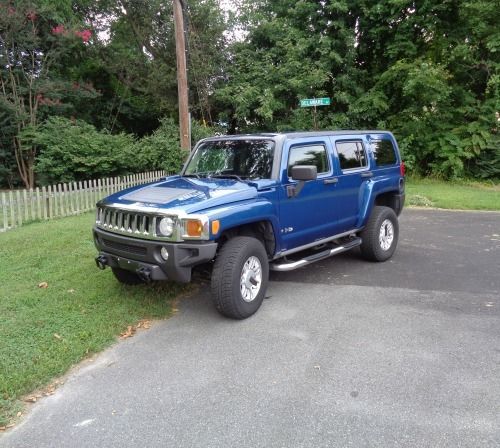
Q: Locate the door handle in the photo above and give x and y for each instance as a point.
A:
(333, 180)
(367, 174)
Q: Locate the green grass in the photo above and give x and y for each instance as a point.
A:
(43, 332)
(466, 195)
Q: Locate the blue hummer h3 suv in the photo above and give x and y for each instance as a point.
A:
(245, 204)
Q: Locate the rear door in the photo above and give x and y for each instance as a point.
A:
(310, 215)
(352, 165)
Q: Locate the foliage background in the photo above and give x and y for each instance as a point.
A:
(88, 87)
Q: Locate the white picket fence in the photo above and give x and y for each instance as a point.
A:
(55, 201)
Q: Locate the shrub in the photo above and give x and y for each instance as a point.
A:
(160, 150)
(487, 165)
(198, 131)
(75, 150)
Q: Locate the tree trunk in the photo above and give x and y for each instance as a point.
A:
(25, 164)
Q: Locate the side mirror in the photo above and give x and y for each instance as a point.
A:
(304, 172)
(301, 173)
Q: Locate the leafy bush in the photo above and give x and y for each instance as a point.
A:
(487, 165)
(198, 131)
(75, 150)
(160, 150)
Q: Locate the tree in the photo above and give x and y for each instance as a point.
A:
(293, 50)
(427, 70)
(431, 75)
(38, 45)
(136, 66)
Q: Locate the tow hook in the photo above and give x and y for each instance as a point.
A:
(101, 262)
(144, 274)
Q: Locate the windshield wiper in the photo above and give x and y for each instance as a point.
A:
(191, 175)
(227, 176)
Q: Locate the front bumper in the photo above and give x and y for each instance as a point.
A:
(144, 257)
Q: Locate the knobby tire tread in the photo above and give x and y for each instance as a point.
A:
(223, 274)
(370, 247)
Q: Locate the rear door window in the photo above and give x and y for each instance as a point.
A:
(352, 155)
(383, 152)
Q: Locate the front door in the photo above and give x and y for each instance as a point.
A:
(310, 215)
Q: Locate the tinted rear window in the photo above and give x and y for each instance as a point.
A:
(384, 153)
(351, 155)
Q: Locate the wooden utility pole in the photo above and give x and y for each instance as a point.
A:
(182, 85)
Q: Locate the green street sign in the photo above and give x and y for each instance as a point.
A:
(312, 102)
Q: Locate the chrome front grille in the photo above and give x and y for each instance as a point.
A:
(126, 222)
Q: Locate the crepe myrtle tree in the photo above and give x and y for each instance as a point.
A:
(36, 53)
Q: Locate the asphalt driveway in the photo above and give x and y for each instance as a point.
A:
(342, 353)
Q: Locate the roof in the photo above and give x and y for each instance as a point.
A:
(299, 134)
(337, 132)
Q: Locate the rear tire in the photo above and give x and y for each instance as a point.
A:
(239, 277)
(126, 277)
(380, 236)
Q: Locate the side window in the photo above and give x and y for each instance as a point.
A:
(384, 153)
(352, 155)
(308, 155)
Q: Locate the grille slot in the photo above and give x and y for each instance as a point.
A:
(129, 248)
(128, 223)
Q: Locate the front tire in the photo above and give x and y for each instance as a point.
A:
(127, 277)
(380, 236)
(239, 277)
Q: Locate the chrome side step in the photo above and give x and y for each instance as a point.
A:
(291, 265)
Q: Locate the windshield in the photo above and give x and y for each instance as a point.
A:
(240, 159)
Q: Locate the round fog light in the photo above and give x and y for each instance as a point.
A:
(164, 253)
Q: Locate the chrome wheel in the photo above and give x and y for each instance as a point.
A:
(386, 235)
(251, 279)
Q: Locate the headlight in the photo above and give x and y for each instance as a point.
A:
(166, 226)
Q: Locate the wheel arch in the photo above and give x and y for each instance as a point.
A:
(370, 198)
(262, 229)
(391, 199)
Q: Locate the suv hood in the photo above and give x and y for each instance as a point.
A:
(188, 194)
